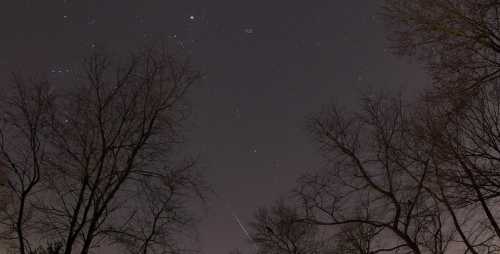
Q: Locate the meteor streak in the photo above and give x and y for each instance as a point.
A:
(241, 226)
(244, 229)
(237, 219)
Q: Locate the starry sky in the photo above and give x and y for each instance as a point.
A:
(268, 63)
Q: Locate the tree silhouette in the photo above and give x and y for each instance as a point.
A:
(458, 40)
(96, 163)
(277, 230)
(421, 175)
(376, 178)
(355, 239)
(458, 118)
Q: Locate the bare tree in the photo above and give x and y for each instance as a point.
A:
(97, 164)
(277, 230)
(458, 40)
(51, 248)
(24, 116)
(377, 177)
(464, 162)
(424, 174)
(356, 238)
(418, 177)
(282, 229)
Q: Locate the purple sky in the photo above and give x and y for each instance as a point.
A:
(268, 65)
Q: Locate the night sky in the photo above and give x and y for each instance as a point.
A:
(267, 63)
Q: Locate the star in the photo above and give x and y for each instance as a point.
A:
(248, 30)
(237, 113)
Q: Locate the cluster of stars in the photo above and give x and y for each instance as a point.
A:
(58, 70)
(248, 30)
(140, 19)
